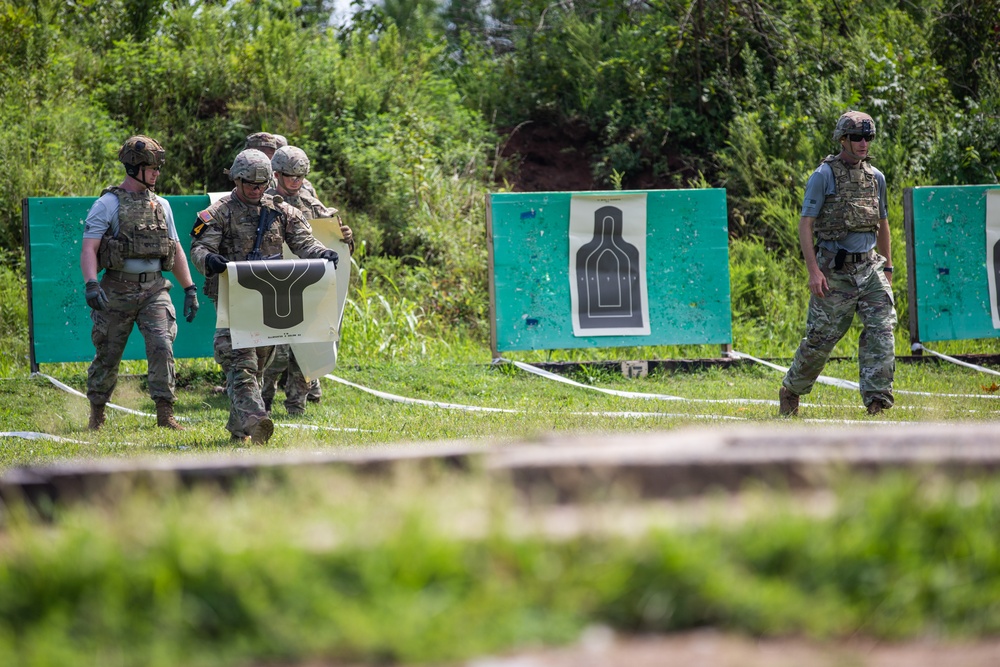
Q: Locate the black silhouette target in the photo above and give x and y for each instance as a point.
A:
(609, 284)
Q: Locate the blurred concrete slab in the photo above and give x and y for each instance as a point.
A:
(565, 467)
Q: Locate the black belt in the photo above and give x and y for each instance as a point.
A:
(841, 257)
(146, 277)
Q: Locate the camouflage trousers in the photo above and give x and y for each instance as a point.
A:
(297, 389)
(860, 288)
(149, 305)
(244, 373)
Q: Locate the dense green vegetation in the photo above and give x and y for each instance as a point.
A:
(405, 108)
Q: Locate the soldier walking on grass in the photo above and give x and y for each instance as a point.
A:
(850, 269)
(248, 223)
(291, 165)
(130, 233)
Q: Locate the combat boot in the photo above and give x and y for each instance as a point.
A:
(876, 406)
(165, 415)
(788, 403)
(96, 417)
(260, 428)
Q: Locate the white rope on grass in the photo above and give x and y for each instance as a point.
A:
(822, 379)
(981, 369)
(641, 415)
(313, 427)
(416, 401)
(528, 368)
(70, 390)
(473, 408)
(847, 384)
(34, 435)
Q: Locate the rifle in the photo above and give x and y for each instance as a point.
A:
(267, 217)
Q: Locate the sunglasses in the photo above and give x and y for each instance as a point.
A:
(255, 186)
(859, 137)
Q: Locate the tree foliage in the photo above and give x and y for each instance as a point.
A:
(401, 108)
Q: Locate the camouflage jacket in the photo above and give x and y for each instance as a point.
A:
(229, 228)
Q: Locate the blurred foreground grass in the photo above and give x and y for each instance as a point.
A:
(436, 567)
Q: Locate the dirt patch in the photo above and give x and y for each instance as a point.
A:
(540, 156)
(548, 158)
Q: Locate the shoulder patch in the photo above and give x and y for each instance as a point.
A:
(204, 219)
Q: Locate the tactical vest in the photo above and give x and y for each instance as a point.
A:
(142, 232)
(853, 207)
(239, 232)
(310, 206)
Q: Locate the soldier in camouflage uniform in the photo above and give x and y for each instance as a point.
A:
(850, 269)
(267, 144)
(290, 165)
(130, 234)
(226, 232)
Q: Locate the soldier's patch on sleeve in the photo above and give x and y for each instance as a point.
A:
(204, 218)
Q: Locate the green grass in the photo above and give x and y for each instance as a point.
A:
(541, 406)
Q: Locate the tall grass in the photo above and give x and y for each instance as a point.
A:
(13, 320)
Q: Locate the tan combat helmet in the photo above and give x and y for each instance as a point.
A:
(140, 151)
(260, 140)
(280, 140)
(251, 166)
(291, 161)
(854, 122)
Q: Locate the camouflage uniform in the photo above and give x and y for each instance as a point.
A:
(856, 287)
(142, 299)
(229, 228)
(297, 389)
(130, 234)
(856, 281)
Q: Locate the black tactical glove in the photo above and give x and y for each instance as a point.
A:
(215, 263)
(190, 302)
(330, 256)
(96, 298)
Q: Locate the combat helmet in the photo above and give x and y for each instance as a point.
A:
(251, 166)
(291, 161)
(854, 122)
(140, 151)
(260, 140)
(280, 140)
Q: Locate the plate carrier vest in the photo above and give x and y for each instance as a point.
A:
(853, 207)
(142, 232)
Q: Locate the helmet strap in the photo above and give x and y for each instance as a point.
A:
(846, 150)
(134, 170)
(142, 170)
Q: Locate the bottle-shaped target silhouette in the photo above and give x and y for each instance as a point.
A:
(607, 276)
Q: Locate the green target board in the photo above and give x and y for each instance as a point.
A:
(538, 293)
(58, 315)
(948, 286)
